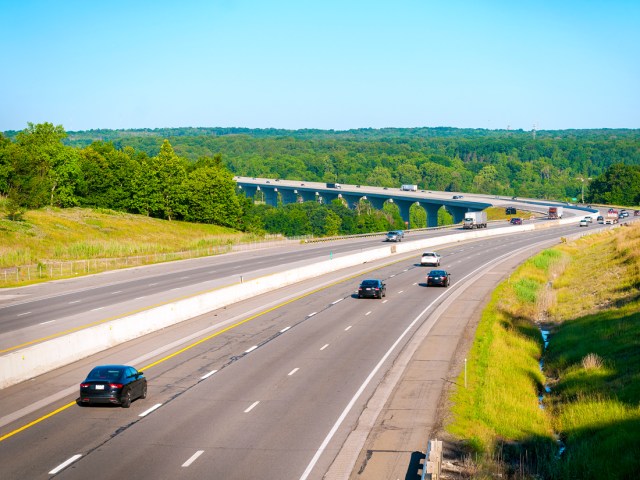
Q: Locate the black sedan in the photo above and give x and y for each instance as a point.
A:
(117, 384)
(372, 288)
(438, 277)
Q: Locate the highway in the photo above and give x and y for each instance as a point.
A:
(270, 387)
(40, 311)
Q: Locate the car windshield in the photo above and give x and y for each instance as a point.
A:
(370, 283)
(105, 373)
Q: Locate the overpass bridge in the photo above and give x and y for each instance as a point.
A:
(290, 191)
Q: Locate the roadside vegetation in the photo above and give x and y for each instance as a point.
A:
(579, 417)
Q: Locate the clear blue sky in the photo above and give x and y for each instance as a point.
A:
(322, 64)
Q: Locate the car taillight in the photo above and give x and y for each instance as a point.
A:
(115, 385)
(84, 385)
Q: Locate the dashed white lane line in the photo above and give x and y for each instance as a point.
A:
(251, 349)
(64, 464)
(138, 298)
(119, 291)
(75, 301)
(325, 346)
(44, 323)
(207, 375)
(391, 276)
(153, 284)
(285, 329)
(193, 458)
(415, 283)
(339, 300)
(368, 313)
(183, 278)
(384, 301)
(348, 328)
(96, 309)
(147, 412)
(25, 313)
(293, 371)
(311, 314)
(252, 406)
(401, 291)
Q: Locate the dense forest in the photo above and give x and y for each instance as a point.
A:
(187, 173)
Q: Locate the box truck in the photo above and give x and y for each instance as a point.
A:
(555, 212)
(409, 188)
(475, 220)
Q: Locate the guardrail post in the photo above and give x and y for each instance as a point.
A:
(433, 461)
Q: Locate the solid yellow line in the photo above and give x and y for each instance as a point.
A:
(202, 340)
(31, 424)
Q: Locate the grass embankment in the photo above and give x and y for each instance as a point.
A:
(587, 294)
(64, 235)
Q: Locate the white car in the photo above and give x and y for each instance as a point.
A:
(584, 222)
(431, 259)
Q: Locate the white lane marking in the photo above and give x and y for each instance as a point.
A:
(207, 375)
(65, 464)
(293, 371)
(44, 323)
(139, 298)
(119, 291)
(25, 313)
(183, 278)
(153, 284)
(251, 349)
(347, 329)
(339, 300)
(75, 301)
(391, 276)
(193, 458)
(415, 283)
(285, 329)
(384, 301)
(325, 346)
(96, 309)
(364, 385)
(251, 407)
(406, 270)
(311, 314)
(368, 313)
(147, 412)
(401, 291)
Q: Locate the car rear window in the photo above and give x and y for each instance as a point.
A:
(370, 283)
(436, 273)
(105, 374)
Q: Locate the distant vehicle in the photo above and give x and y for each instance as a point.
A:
(431, 259)
(117, 384)
(409, 188)
(441, 278)
(600, 219)
(611, 217)
(636, 213)
(588, 219)
(457, 197)
(624, 214)
(372, 288)
(510, 211)
(475, 220)
(584, 223)
(334, 185)
(394, 236)
(385, 188)
(515, 221)
(555, 212)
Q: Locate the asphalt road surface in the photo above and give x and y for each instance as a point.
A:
(268, 388)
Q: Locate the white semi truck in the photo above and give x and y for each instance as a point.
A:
(409, 188)
(475, 220)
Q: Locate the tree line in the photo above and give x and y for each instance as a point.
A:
(187, 174)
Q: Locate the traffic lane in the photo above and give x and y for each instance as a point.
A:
(221, 417)
(364, 300)
(172, 380)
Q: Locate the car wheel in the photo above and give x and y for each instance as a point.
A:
(144, 392)
(126, 400)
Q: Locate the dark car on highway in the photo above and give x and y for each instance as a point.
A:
(372, 288)
(516, 221)
(441, 278)
(115, 384)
